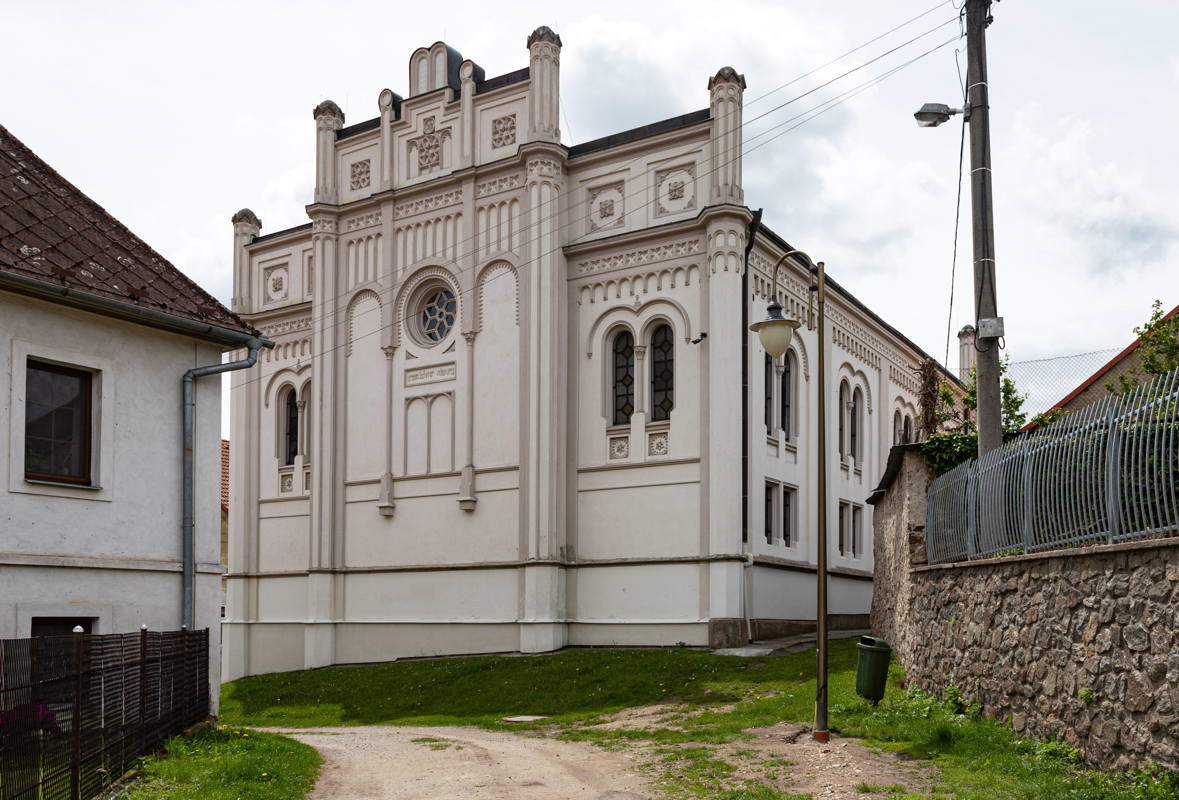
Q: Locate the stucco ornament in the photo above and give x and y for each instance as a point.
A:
(726, 75)
(248, 217)
(328, 110)
(544, 34)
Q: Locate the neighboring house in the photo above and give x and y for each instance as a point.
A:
(97, 331)
(1095, 386)
(505, 411)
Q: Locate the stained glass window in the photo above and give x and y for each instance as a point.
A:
(787, 396)
(437, 314)
(624, 377)
(57, 423)
(291, 433)
(662, 373)
(769, 388)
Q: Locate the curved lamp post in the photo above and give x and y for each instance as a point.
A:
(775, 332)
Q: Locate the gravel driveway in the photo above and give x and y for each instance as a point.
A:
(398, 763)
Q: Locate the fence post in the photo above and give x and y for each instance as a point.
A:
(76, 719)
(1113, 453)
(142, 687)
(972, 481)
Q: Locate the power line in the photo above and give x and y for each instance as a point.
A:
(578, 219)
(805, 117)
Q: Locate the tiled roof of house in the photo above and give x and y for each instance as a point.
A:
(50, 231)
(225, 475)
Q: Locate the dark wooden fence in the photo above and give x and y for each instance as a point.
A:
(76, 711)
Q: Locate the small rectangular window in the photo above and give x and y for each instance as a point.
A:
(857, 531)
(57, 423)
(787, 516)
(771, 490)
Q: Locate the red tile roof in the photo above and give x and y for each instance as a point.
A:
(225, 476)
(52, 232)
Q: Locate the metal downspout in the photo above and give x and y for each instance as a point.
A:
(188, 540)
(750, 234)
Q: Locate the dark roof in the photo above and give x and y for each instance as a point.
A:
(53, 233)
(360, 127)
(306, 226)
(831, 283)
(642, 132)
(499, 81)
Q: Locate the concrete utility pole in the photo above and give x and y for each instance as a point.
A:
(990, 324)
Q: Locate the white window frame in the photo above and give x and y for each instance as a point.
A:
(102, 449)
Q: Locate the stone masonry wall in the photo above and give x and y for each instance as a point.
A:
(1079, 644)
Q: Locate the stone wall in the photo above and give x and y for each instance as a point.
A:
(1079, 644)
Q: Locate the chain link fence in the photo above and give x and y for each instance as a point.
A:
(1106, 473)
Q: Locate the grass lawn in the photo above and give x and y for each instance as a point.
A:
(227, 763)
(977, 758)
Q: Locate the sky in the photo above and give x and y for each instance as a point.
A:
(174, 115)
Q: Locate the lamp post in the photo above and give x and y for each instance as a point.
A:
(775, 332)
(977, 110)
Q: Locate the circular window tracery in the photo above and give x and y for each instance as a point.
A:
(436, 314)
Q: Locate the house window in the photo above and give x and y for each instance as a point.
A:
(290, 428)
(896, 427)
(771, 490)
(907, 430)
(857, 537)
(855, 443)
(624, 377)
(788, 536)
(787, 398)
(662, 373)
(436, 315)
(769, 390)
(57, 423)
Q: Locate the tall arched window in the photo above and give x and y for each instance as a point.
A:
(787, 396)
(856, 443)
(769, 389)
(624, 377)
(896, 427)
(844, 403)
(662, 373)
(907, 430)
(290, 437)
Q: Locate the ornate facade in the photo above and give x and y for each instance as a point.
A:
(506, 410)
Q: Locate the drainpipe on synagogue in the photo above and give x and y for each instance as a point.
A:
(187, 530)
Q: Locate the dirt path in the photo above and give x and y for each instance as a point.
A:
(396, 763)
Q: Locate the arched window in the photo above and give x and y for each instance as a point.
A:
(662, 373)
(856, 443)
(907, 430)
(624, 377)
(769, 389)
(896, 427)
(290, 430)
(844, 404)
(787, 396)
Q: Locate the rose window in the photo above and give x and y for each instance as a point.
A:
(436, 317)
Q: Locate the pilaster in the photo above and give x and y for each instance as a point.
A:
(544, 69)
(467, 114)
(328, 119)
(389, 103)
(246, 226)
(324, 385)
(726, 92)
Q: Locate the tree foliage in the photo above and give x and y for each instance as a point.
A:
(1158, 351)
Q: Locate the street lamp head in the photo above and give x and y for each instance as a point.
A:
(933, 114)
(775, 330)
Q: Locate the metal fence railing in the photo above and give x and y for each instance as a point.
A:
(76, 711)
(1103, 474)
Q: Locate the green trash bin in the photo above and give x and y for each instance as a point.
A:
(872, 667)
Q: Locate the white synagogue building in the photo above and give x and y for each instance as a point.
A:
(507, 408)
